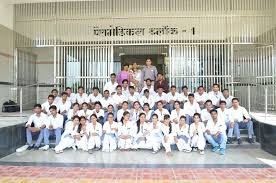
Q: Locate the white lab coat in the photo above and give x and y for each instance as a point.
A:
(109, 139)
(82, 143)
(67, 138)
(125, 129)
(141, 139)
(94, 141)
(156, 136)
(183, 137)
(169, 136)
(198, 139)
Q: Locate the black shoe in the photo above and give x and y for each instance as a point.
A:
(239, 141)
(36, 148)
(30, 147)
(229, 140)
(97, 148)
(251, 140)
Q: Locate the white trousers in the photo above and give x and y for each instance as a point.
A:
(183, 145)
(198, 141)
(125, 143)
(66, 141)
(82, 143)
(94, 141)
(167, 144)
(109, 143)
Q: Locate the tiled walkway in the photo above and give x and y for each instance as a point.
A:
(84, 174)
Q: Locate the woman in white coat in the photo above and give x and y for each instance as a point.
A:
(182, 139)
(110, 129)
(68, 137)
(197, 130)
(95, 131)
(142, 129)
(82, 135)
(125, 132)
(155, 134)
(169, 134)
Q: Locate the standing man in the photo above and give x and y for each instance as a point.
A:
(149, 72)
(111, 85)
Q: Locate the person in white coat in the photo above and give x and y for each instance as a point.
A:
(197, 130)
(125, 132)
(85, 111)
(82, 135)
(135, 112)
(216, 132)
(110, 129)
(74, 111)
(94, 129)
(177, 112)
(148, 112)
(68, 137)
(156, 136)
(182, 139)
(160, 111)
(169, 134)
(142, 135)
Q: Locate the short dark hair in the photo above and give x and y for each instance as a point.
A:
(213, 110)
(225, 89)
(173, 86)
(99, 103)
(216, 84)
(222, 102)
(53, 107)
(159, 73)
(95, 88)
(51, 96)
(146, 91)
(177, 102)
(235, 99)
(106, 91)
(64, 93)
(166, 116)
(68, 88)
(112, 74)
(37, 105)
(125, 80)
(200, 87)
(118, 86)
(197, 114)
(125, 102)
(125, 64)
(191, 95)
(131, 87)
(148, 80)
(185, 87)
(54, 90)
(80, 87)
(207, 101)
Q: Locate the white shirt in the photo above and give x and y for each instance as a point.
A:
(119, 98)
(106, 102)
(157, 97)
(86, 113)
(100, 113)
(151, 91)
(92, 98)
(72, 98)
(183, 98)
(110, 87)
(126, 129)
(149, 100)
(94, 129)
(64, 106)
(205, 115)
(191, 109)
(239, 113)
(81, 99)
(225, 115)
(176, 115)
(201, 98)
(57, 121)
(71, 114)
(120, 114)
(161, 114)
(219, 126)
(45, 106)
(38, 121)
(175, 97)
(155, 132)
(166, 130)
(201, 129)
(134, 97)
(144, 130)
(134, 115)
(228, 101)
(107, 127)
(215, 97)
(148, 114)
(57, 99)
(70, 129)
(184, 130)
(125, 92)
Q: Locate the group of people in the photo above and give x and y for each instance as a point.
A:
(138, 110)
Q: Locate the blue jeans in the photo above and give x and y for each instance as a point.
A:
(244, 125)
(48, 132)
(30, 135)
(189, 119)
(215, 142)
(230, 130)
